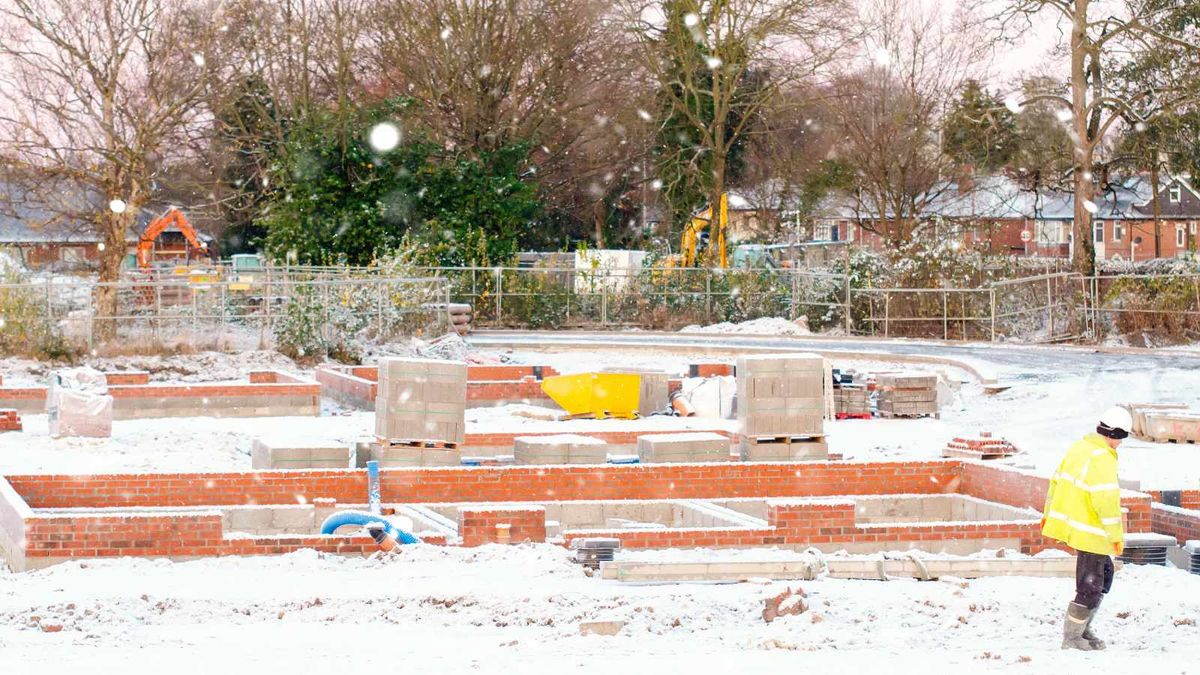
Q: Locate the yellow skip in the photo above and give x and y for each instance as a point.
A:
(598, 394)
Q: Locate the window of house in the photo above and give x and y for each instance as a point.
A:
(1049, 233)
(1118, 232)
(1099, 232)
(72, 254)
(1180, 236)
(1175, 194)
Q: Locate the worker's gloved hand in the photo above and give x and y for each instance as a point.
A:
(1118, 548)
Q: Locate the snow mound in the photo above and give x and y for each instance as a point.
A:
(764, 326)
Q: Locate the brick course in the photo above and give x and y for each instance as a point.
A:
(52, 537)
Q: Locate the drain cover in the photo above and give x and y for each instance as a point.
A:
(592, 552)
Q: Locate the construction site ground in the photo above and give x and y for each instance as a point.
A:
(519, 608)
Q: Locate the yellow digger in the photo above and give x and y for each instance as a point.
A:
(688, 246)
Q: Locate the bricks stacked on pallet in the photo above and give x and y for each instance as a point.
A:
(9, 420)
(1172, 426)
(852, 402)
(781, 407)
(701, 446)
(912, 394)
(653, 390)
(281, 453)
(983, 447)
(560, 449)
(420, 402)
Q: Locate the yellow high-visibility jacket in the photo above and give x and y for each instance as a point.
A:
(1083, 507)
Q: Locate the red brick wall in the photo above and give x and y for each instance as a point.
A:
(822, 524)
(489, 484)
(167, 535)
(710, 369)
(1183, 524)
(490, 373)
(528, 388)
(128, 377)
(478, 526)
(1026, 490)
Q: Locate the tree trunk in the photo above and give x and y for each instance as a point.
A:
(598, 216)
(1084, 259)
(716, 240)
(1157, 209)
(111, 258)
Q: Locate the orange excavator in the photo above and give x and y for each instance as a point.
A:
(145, 247)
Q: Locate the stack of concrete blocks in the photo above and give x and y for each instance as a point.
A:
(910, 394)
(652, 393)
(559, 449)
(421, 400)
(1140, 411)
(852, 400)
(1172, 426)
(781, 407)
(285, 453)
(700, 446)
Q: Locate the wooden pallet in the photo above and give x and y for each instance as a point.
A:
(908, 416)
(852, 416)
(782, 440)
(407, 443)
(1181, 441)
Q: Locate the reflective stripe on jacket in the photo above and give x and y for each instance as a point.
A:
(1083, 507)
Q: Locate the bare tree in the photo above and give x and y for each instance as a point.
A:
(890, 112)
(1099, 37)
(731, 61)
(99, 94)
(550, 74)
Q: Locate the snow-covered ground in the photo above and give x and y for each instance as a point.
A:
(518, 609)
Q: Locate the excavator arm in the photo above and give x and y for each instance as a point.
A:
(173, 216)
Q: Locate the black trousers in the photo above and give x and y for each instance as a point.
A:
(1093, 578)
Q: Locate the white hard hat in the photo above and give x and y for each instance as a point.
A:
(1116, 418)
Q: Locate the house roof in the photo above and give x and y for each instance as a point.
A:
(28, 219)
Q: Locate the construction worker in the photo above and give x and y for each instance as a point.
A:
(1083, 510)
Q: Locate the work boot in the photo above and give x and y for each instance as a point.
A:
(1088, 635)
(1074, 625)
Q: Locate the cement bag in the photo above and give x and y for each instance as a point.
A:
(76, 413)
(711, 396)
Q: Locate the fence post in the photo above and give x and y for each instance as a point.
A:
(887, 313)
(157, 313)
(708, 296)
(849, 327)
(49, 308)
(379, 308)
(945, 315)
(1050, 306)
(603, 304)
(993, 293)
(499, 295)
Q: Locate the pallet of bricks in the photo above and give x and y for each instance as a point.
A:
(850, 397)
(911, 394)
(9, 420)
(781, 407)
(419, 412)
